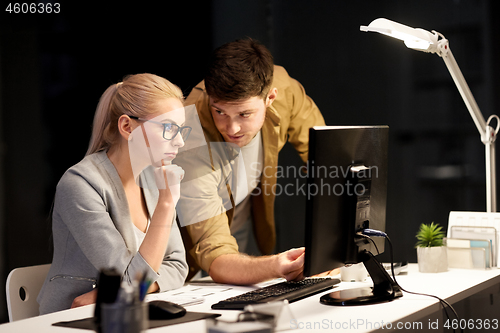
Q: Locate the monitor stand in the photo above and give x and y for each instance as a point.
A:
(384, 288)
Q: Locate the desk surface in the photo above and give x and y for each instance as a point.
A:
(310, 316)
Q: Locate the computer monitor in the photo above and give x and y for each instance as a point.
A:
(347, 191)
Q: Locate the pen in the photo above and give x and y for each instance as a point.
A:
(144, 284)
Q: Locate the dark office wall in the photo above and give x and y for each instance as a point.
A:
(436, 159)
(53, 70)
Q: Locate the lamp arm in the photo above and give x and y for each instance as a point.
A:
(491, 177)
(488, 134)
(444, 52)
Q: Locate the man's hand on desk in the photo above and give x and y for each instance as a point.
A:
(291, 264)
(85, 299)
(242, 269)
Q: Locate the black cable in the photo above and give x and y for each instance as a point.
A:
(370, 239)
(443, 302)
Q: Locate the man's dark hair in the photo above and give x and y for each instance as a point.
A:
(240, 70)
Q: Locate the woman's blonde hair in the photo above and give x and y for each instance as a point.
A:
(137, 95)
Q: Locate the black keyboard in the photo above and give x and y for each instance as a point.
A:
(292, 291)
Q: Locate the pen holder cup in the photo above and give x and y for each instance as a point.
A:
(124, 318)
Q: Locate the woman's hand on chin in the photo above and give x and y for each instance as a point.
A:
(168, 177)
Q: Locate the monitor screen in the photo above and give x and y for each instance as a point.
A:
(346, 193)
(340, 198)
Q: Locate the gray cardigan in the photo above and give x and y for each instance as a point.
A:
(92, 229)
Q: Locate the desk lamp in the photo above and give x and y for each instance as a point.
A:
(422, 40)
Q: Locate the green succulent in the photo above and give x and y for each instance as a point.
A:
(430, 235)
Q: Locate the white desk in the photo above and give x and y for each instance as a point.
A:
(411, 310)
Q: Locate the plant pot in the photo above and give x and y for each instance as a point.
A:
(432, 259)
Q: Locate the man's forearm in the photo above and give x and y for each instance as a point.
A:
(242, 269)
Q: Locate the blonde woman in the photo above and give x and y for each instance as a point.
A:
(105, 214)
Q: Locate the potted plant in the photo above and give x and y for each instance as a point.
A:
(431, 253)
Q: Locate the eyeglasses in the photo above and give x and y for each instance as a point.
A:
(170, 130)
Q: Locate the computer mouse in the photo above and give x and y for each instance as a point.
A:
(160, 310)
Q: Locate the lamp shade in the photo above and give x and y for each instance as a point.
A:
(414, 38)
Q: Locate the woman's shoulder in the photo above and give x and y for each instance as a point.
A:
(94, 169)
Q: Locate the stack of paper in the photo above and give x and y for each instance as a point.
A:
(478, 231)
